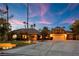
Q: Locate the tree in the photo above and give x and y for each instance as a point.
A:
(4, 29)
(75, 27)
(33, 25)
(44, 32)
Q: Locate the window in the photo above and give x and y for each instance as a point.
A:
(51, 35)
(24, 36)
(14, 36)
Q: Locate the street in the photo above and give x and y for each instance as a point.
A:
(46, 48)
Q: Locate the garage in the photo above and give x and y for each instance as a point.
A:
(59, 36)
(58, 33)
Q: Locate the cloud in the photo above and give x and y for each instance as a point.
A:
(43, 9)
(44, 21)
(69, 7)
(64, 10)
(31, 13)
(18, 22)
(3, 8)
(68, 21)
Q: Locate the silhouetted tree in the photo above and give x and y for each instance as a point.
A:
(44, 32)
(33, 25)
(4, 29)
(75, 27)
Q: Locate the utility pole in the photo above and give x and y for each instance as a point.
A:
(27, 20)
(7, 13)
(7, 19)
(27, 15)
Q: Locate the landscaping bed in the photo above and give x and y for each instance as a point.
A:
(16, 43)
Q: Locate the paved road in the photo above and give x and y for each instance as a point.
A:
(47, 48)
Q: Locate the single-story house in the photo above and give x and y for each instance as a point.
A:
(24, 34)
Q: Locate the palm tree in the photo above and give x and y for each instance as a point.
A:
(34, 25)
(31, 26)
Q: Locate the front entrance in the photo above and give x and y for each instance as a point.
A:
(59, 36)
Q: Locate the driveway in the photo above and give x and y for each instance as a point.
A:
(46, 48)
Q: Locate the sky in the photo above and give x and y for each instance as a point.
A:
(50, 15)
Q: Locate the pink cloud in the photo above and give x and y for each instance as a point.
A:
(68, 21)
(31, 13)
(43, 9)
(17, 22)
(44, 21)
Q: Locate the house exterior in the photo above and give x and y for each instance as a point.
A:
(24, 34)
(70, 35)
(59, 33)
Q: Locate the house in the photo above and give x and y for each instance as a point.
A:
(70, 35)
(24, 34)
(59, 33)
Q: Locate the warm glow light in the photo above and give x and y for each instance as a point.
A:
(35, 37)
(65, 35)
(41, 37)
(24, 36)
(59, 36)
(51, 35)
(46, 36)
(14, 36)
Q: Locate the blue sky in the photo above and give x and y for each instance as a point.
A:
(50, 15)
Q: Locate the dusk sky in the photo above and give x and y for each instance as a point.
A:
(50, 15)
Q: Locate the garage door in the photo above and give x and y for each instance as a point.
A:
(59, 36)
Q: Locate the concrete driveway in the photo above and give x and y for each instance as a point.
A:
(47, 48)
